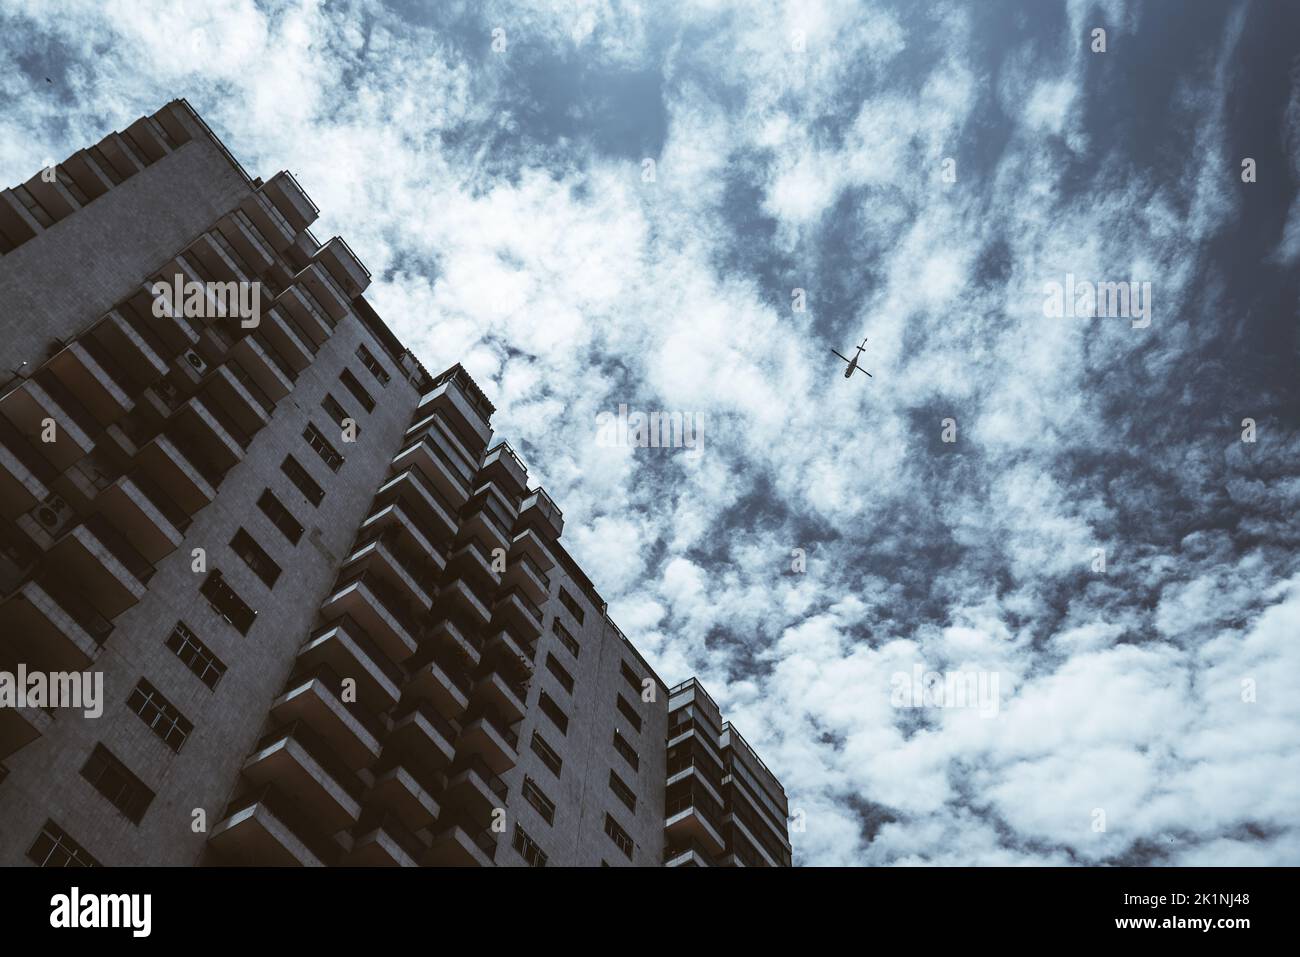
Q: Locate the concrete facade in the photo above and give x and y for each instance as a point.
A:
(398, 662)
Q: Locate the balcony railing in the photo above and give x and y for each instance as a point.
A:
(331, 680)
(160, 500)
(440, 724)
(374, 820)
(475, 763)
(286, 811)
(120, 548)
(264, 400)
(367, 645)
(529, 605)
(78, 608)
(319, 751)
(498, 724)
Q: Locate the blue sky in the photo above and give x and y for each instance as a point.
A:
(499, 197)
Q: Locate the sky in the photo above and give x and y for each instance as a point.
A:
(685, 207)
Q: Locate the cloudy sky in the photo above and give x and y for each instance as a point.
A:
(501, 196)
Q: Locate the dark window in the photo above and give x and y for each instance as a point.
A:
(53, 848)
(627, 751)
(331, 456)
(571, 603)
(534, 795)
(227, 603)
(547, 753)
(280, 516)
(629, 712)
(160, 715)
(620, 836)
(300, 477)
(357, 389)
(111, 778)
(370, 362)
(566, 639)
(338, 413)
(554, 712)
(622, 791)
(631, 677)
(263, 566)
(196, 655)
(562, 676)
(528, 848)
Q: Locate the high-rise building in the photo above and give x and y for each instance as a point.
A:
(334, 623)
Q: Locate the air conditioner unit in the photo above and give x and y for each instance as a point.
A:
(53, 514)
(196, 361)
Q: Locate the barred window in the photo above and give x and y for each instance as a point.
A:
(280, 516)
(619, 836)
(357, 389)
(528, 848)
(114, 780)
(622, 791)
(566, 639)
(571, 603)
(628, 752)
(331, 456)
(374, 365)
(301, 478)
(538, 799)
(626, 708)
(549, 757)
(562, 676)
(197, 656)
(554, 712)
(54, 848)
(160, 715)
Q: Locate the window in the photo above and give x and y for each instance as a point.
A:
(280, 516)
(53, 848)
(370, 362)
(528, 848)
(111, 778)
(338, 413)
(331, 456)
(299, 477)
(622, 791)
(631, 677)
(620, 836)
(358, 391)
(540, 802)
(566, 639)
(629, 712)
(571, 603)
(562, 676)
(554, 712)
(226, 602)
(196, 655)
(627, 751)
(547, 753)
(255, 558)
(160, 715)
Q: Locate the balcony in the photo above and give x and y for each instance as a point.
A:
(272, 375)
(94, 378)
(690, 853)
(474, 789)
(270, 222)
(686, 818)
(442, 679)
(48, 623)
(502, 688)
(490, 737)
(425, 739)
(457, 396)
(191, 479)
(398, 554)
(309, 774)
(501, 464)
(290, 340)
(406, 792)
(148, 518)
(503, 642)
(19, 726)
(461, 645)
(212, 431)
(314, 700)
(105, 566)
(299, 305)
(462, 843)
(140, 349)
(382, 840)
(238, 230)
(515, 610)
(472, 560)
(337, 256)
(487, 519)
(291, 200)
(344, 646)
(524, 574)
(239, 397)
(219, 259)
(267, 829)
(458, 600)
(172, 327)
(325, 290)
(380, 614)
(145, 138)
(445, 482)
(538, 512)
(28, 406)
(24, 475)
